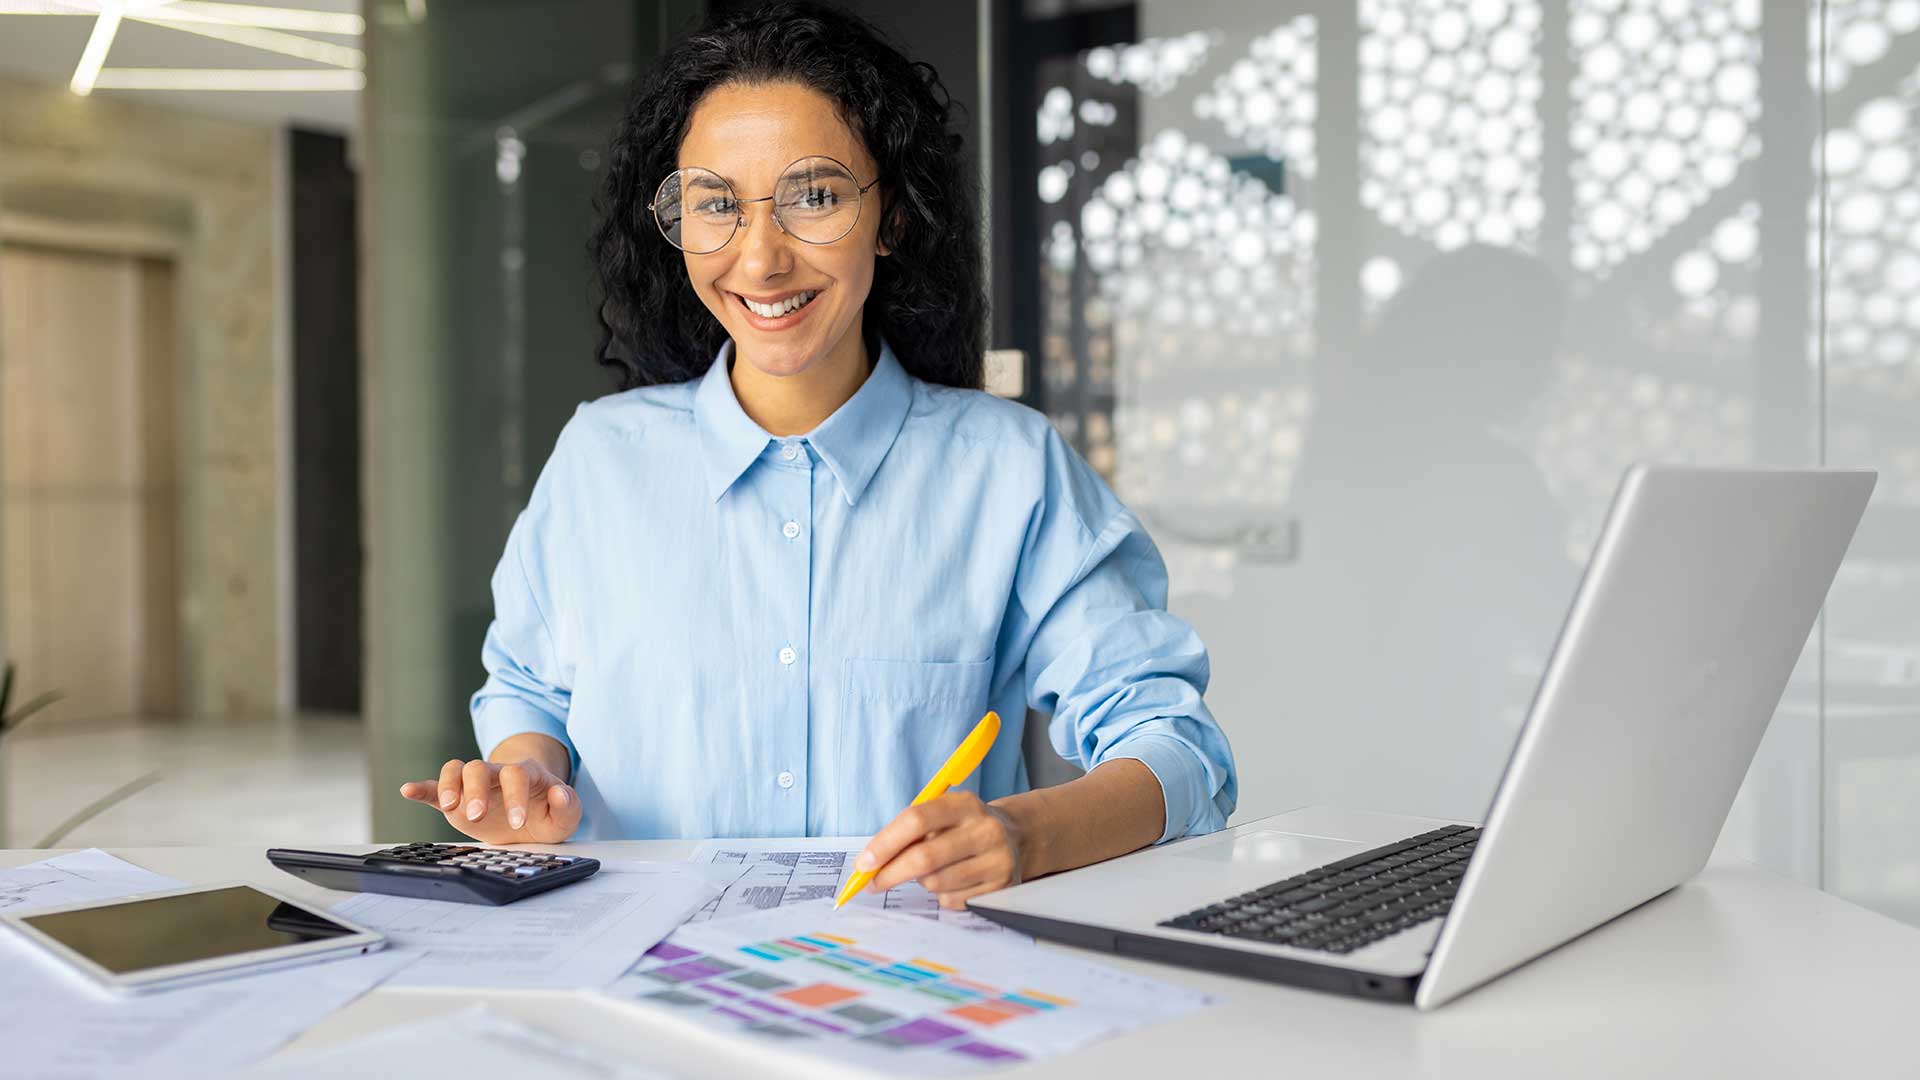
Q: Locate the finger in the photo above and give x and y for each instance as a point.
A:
(936, 852)
(910, 825)
(563, 813)
(969, 872)
(514, 787)
(421, 791)
(450, 784)
(476, 789)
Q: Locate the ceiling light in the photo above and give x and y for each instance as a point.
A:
(276, 18)
(322, 52)
(246, 79)
(76, 7)
(95, 53)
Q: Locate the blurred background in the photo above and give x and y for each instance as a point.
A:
(1364, 307)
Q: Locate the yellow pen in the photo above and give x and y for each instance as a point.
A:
(966, 758)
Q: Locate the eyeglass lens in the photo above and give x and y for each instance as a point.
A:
(816, 200)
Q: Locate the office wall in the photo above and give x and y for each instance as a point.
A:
(1366, 307)
(125, 176)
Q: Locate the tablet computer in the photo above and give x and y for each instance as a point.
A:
(167, 939)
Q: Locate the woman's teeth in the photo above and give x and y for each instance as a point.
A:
(781, 307)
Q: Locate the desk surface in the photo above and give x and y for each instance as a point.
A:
(1736, 973)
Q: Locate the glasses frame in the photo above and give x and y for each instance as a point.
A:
(740, 221)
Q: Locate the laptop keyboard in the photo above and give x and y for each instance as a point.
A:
(1344, 905)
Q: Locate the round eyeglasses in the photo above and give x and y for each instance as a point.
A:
(816, 201)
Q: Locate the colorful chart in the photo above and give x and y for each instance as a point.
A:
(865, 989)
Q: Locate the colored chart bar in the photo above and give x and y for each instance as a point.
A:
(819, 995)
(985, 1052)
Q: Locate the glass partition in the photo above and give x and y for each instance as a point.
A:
(486, 126)
(1366, 307)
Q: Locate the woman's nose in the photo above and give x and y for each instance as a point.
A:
(763, 245)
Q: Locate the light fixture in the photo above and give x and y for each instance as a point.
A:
(342, 23)
(250, 79)
(95, 54)
(252, 25)
(276, 41)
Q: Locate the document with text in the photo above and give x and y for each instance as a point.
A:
(783, 871)
(581, 935)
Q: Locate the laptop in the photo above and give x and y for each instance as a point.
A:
(1693, 610)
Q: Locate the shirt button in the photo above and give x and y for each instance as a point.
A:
(790, 530)
(785, 779)
(787, 654)
(790, 450)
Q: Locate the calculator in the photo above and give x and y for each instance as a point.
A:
(470, 875)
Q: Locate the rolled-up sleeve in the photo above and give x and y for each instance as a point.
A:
(1121, 676)
(526, 688)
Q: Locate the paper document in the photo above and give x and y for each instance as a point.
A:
(57, 1024)
(581, 935)
(796, 870)
(889, 992)
(474, 1041)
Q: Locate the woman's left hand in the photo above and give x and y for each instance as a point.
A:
(956, 846)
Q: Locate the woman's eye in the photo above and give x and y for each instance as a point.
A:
(817, 198)
(714, 206)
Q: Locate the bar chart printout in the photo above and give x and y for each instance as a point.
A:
(891, 992)
(795, 870)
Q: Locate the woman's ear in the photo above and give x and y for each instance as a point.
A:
(889, 232)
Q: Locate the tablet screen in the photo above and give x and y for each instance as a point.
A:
(181, 929)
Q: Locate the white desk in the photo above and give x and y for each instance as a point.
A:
(1736, 973)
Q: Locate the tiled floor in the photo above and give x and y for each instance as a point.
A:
(264, 780)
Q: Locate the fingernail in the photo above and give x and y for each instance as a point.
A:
(565, 796)
(447, 798)
(864, 862)
(475, 810)
(516, 817)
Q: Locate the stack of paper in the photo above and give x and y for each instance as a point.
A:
(577, 937)
(468, 1042)
(898, 994)
(56, 1024)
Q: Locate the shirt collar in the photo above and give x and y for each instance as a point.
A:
(852, 442)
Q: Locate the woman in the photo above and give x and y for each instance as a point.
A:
(767, 589)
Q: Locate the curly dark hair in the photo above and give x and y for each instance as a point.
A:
(928, 298)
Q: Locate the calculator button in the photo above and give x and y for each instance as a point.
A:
(525, 871)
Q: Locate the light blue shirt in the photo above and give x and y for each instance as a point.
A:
(742, 635)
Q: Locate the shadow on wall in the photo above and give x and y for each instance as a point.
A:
(1431, 569)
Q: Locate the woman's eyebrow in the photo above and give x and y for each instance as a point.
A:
(818, 170)
(709, 181)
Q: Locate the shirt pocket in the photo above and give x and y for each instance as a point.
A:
(904, 717)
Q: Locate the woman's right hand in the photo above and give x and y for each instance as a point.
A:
(520, 802)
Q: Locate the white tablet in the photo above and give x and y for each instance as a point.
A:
(189, 935)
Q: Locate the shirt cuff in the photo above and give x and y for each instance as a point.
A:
(1183, 779)
(497, 719)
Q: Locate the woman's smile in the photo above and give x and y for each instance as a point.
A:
(780, 311)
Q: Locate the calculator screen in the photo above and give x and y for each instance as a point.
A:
(181, 929)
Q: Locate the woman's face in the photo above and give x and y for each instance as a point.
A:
(749, 134)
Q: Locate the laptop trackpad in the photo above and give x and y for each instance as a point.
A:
(1271, 847)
